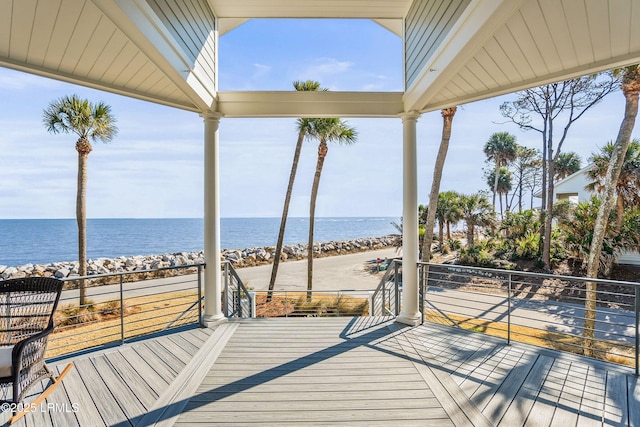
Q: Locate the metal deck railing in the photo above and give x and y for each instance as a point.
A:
(125, 305)
(542, 309)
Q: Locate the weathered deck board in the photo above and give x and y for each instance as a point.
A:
(114, 386)
(307, 362)
(512, 390)
(525, 397)
(339, 371)
(99, 392)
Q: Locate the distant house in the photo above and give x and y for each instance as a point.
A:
(572, 188)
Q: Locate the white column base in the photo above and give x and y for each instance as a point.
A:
(214, 320)
(409, 319)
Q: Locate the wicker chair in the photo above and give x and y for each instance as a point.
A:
(27, 306)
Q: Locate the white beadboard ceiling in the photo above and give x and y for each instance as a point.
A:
(495, 47)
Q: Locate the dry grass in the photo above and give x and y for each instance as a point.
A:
(610, 351)
(142, 315)
(320, 306)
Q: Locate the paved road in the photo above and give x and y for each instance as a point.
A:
(345, 272)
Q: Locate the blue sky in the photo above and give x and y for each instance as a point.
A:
(154, 167)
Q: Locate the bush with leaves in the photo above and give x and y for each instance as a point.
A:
(577, 230)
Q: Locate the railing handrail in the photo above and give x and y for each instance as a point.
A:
(241, 289)
(387, 273)
(532, 274)
(391, 263)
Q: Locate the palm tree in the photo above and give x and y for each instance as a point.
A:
(446, 211)
(450, 201)
(567, 164)
(627, 187)
(447, 118)
(630, 86)
(504, 184)
(325, 131)
(476, 212)
(501, 148)
(71, 114)
(302, 125)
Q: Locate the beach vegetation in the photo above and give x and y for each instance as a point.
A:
(476, 211)
(432, 210)
(500, 149)
(527, 169)
(303, 126)
(630, 85)
(503, 186)
(567, 164)
(89, 122)
(325, 131)
(551, 110)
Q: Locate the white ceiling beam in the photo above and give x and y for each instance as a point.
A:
(479, 21)
(310, 104)
(136, 19)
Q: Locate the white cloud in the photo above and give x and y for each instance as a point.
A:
(261, 70)
(326, 67)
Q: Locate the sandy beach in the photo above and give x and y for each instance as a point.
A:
(342, 272)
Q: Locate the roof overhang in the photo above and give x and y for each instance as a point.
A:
(154, 49)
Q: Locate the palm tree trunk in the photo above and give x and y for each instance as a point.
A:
(285, 213)
(470, 233)
(495, 183)
(447, 121)
(322, 153)
(631, 91)
(440, 234)
(619, 210)
(83, 147)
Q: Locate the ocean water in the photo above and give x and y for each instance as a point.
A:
(41, 241)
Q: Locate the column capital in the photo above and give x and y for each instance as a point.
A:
(410, 115)
(211, 115)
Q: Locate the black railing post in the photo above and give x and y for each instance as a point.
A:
(509, 309)
(200, 319)
(396, 287)
(225, 291)
(121, 311)
(421, 292)
(637, 310)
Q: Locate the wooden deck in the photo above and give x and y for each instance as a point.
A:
(338, 371)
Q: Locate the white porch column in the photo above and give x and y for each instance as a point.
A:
(212, 273)
(410, 313)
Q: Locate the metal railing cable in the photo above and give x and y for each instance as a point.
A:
(237, 300)
(124, 305)
(386, 299)
(542, 309)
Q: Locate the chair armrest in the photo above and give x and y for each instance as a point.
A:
(21, 348)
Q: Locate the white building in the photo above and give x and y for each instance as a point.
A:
(572, 188)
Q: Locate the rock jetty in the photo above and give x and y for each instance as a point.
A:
(238, 258)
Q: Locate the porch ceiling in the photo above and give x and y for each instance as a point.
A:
(495, 47)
